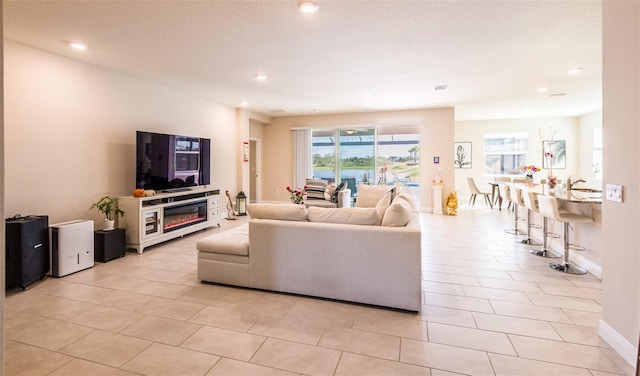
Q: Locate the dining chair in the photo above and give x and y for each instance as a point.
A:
(475, 192)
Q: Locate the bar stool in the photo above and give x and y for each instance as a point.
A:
(549, 208)
(518, 196)
(505, 193)
(530, 203)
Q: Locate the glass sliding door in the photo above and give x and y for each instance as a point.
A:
(356, 157)
(323, 152)
(387, 155)
(398, 160)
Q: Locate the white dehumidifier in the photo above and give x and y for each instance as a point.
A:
(71, 247)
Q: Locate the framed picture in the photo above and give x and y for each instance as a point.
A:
(462, 155)
(559, 151)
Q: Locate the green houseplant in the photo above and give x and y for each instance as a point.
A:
(107, 205)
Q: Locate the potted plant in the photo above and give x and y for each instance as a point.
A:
(107, 206)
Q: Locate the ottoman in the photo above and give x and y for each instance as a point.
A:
(224, 257)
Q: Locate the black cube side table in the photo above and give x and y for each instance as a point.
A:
(109, 245)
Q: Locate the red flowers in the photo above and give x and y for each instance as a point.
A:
(297, 195)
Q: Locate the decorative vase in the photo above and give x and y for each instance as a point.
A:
(551, 181)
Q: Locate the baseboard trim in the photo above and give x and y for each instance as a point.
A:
(623, 347)
(592, 267)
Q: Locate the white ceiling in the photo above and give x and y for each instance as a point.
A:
(493, 55)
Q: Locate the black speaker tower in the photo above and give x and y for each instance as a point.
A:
(27, 253)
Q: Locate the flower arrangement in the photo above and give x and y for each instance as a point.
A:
(548, 154)
(549, 157)
(529, 170)
(297, 195)
(551, 179)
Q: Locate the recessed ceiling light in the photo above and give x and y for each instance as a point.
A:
(261, 77)
(366, 94)
(574, 71)
(244, 103)
(307, 6)
(542, 89)
(440, 87)
(78, 46)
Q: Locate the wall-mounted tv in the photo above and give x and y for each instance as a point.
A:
(166, 162)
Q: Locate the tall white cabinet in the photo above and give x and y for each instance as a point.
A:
(165, 216)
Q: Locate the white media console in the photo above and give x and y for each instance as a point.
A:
(165, 216)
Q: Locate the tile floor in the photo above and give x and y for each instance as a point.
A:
(490, 308)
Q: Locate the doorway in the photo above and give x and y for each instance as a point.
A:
(255, 180)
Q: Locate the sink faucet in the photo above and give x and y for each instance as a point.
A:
(570, 184)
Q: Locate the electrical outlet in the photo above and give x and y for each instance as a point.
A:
(276, 190)
(614, 192)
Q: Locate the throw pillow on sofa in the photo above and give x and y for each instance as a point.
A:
(340, 187)
(406, 194)
(315, 189)
(397, 214)
(329, 191)
(383, 204)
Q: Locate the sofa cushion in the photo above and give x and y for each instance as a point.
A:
(383, 204)
(397, 214)
(320, 203)
(352, 216)
(285, 212)
(232, 242)
(369, 195)
(315, 188)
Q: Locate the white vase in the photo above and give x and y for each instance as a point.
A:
(108, 224)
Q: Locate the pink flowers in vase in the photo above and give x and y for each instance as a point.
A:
(551, 180)
(549, 157)
(297, 195)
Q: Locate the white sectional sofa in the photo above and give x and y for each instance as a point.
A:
(368, 255)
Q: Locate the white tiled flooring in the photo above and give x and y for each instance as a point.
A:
(490, 308)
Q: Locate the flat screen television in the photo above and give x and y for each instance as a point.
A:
(166, 162)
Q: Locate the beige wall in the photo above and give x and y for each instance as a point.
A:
(70, 132)
(245, 124)
(436, 139)
(566, 128)
(585, 153)
(620, 323)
